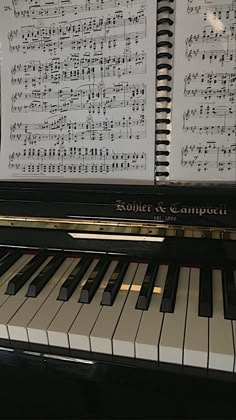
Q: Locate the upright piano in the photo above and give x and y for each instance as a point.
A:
(117, 301)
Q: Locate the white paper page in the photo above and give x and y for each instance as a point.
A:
(78, 90)
(203, 146)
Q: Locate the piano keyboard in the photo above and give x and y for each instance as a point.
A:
(174, 314)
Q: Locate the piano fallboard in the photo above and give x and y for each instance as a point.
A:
(197, 206)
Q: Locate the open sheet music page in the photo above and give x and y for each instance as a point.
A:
(203, 146)
(78, 90)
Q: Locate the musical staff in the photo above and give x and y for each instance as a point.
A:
(42, 9)
(208, 156)
(79, 82)
(91, 98)
(88, 33)
(203, 121)
(212, 45)
(211, 85)
(210, 111)
(60, 131)
(78, 67)
(217, 10)
(210, 35)
(74, 161)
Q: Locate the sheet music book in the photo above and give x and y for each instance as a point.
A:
(118, 91)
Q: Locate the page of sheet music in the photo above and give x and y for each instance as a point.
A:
(203, 146)
(78, 90)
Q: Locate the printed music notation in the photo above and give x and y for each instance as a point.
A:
(76, 67)
(212, 45)
(74, 160)
(204, 157)
(87, 33)
(91, 98)
(211, 85)
(43, 9)
(214, 9)
(81, 88)
(204, 95)
(61, 131)
(216, 120)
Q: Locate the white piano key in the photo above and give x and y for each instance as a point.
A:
(17, 326)
(127, 327)
(196, 331)
(79, 333)
(37, 328)
(146, 342)
(221, 345)
(8, 275)
(14, 302)
(102, 332)
(173, 328)
(60, 325)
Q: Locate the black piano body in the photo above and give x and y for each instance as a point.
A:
(197, 228)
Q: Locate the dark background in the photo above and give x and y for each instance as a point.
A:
(56, 389)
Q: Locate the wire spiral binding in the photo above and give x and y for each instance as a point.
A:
(165, 21)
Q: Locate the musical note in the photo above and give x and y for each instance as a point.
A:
(217, 10)
(91, 98)
(203, 114)
(81, 88)
(210, 111)
(209, 85)
(60, 130)
(208, 156)
(88, 33)
(74, 160)
(42, 9)
(78, 67)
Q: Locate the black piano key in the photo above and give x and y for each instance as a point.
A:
(147, 287)
(205, 305)
(113, 286)
(74, 278)
(44, 276)
(93, 282)
(3, 253)
(25, 273)
(8, 260)
(229, 293)
(170, 289)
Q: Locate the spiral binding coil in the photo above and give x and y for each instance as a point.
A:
(165, 21)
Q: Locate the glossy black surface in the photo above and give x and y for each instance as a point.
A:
(89, 289)
(170, 289)
(147, 287)
(159, 203)
(40, 387)
(44, 276)
(36, 386)
(18, 281)
(113, 285)
(205, 293)
(229, 292)
(74, 278)
(8, 260)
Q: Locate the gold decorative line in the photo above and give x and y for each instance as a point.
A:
(112, 226)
